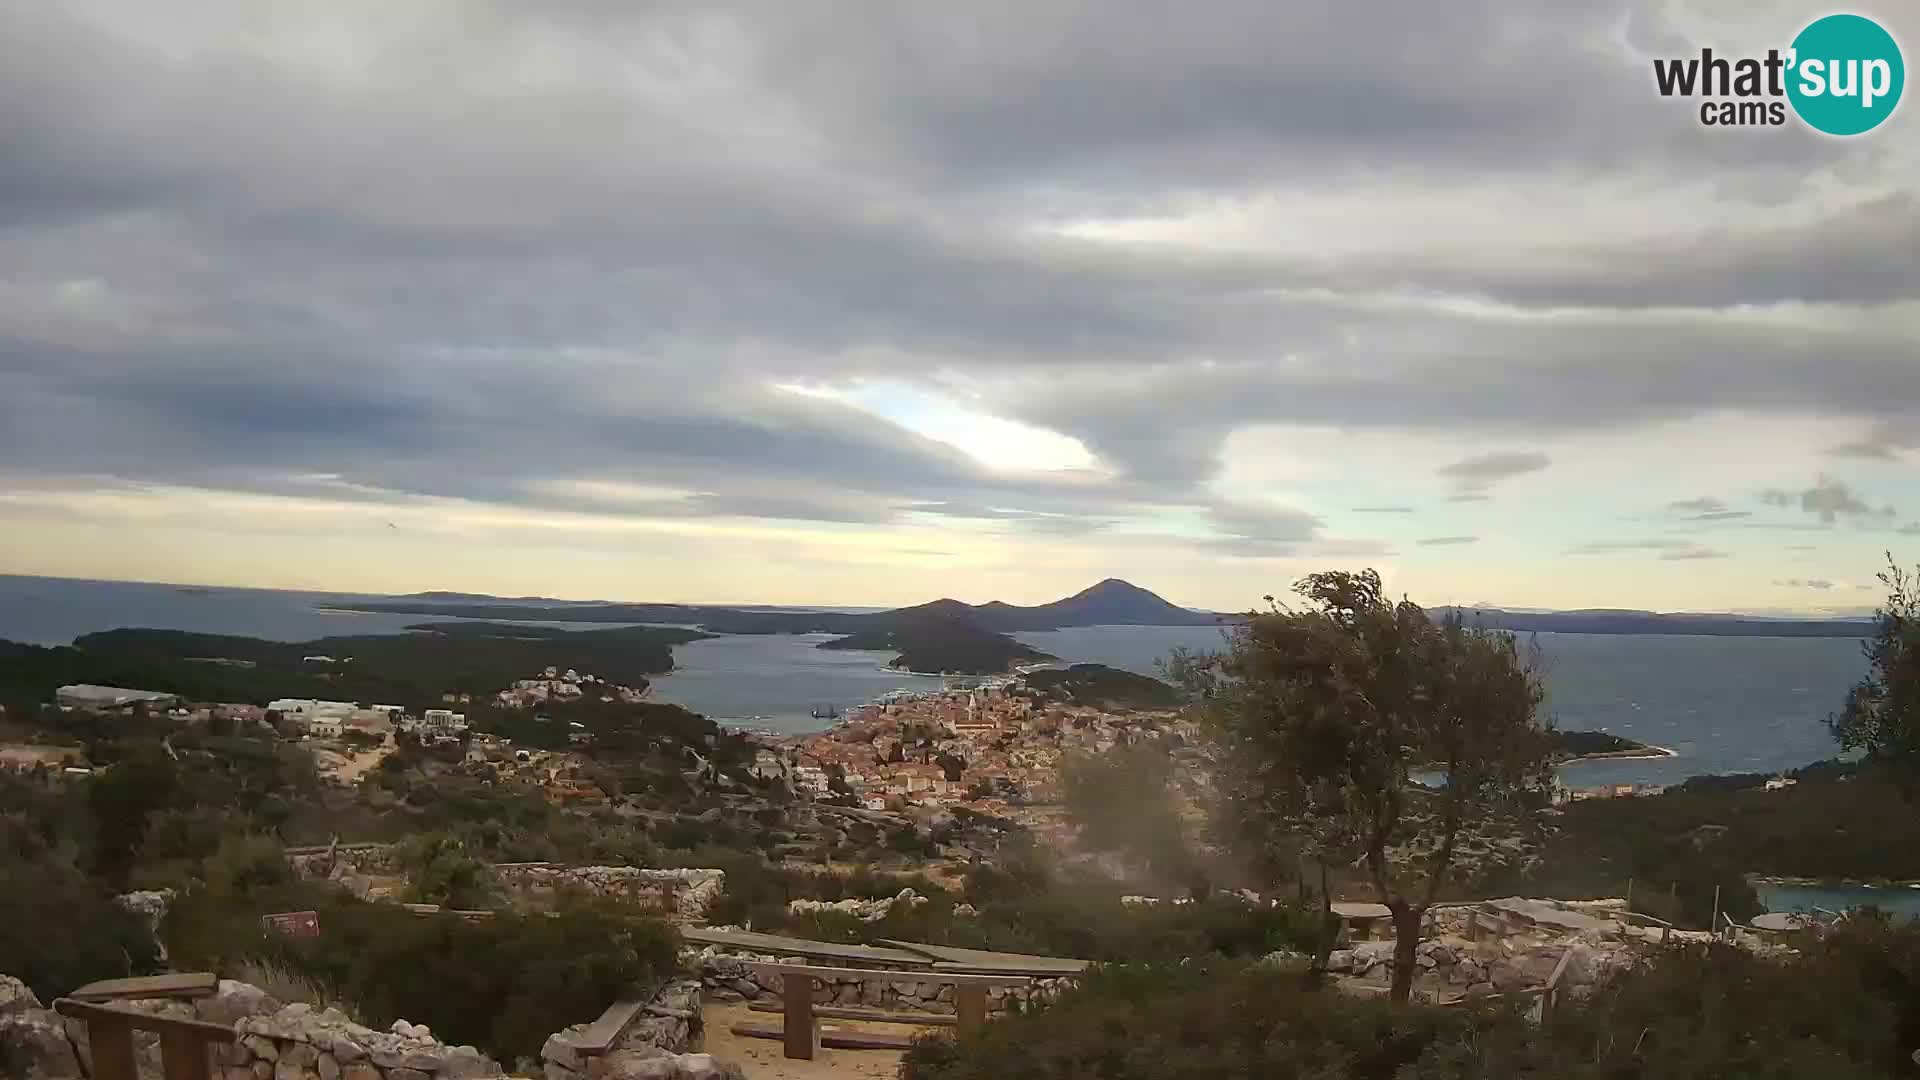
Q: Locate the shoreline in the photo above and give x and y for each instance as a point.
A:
(1768, 881)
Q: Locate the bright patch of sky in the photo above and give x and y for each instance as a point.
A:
(991, 440)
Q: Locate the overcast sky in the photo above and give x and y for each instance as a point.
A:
(868, 303)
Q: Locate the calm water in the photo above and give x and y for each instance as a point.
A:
(1899, 901)
(776, 680)
(1723, 704)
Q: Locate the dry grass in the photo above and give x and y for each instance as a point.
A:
(289, 986)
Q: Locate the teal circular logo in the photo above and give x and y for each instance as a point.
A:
(1846, 74)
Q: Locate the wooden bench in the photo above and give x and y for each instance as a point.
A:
(183, 1043)
(798, 1029)
(187, 984)
(874, 1016)
(601, 1036)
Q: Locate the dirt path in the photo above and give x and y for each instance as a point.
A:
(762, 1059)
(361, 763)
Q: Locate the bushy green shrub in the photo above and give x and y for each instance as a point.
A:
(1174, 1022)
(58, 930)
(504, 984)
(1846, 1008)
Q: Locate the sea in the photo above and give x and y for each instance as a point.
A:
(1721, 704)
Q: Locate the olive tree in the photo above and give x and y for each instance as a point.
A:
(1360, 733)
(1881, 717)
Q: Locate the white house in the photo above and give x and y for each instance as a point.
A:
(307, 708)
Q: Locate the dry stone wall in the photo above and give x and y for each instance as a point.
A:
(685, 894)
(679, 894)
(729, 976)
(273, 1041)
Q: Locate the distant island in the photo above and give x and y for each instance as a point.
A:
(1109, 603)
(933, 643)
(1608, 621)
(951, 636)
(1098, 684)
(1569, 746)
(943, 636)
(407, 669)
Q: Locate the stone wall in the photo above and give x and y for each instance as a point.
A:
(728, 976)
(274, 1041)
(367, 860)
(864, 910)
(680, 895)
(299, 1042)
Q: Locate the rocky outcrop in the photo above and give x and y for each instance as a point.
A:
(864, 910)
(1507, 946)
(33, 1041)
(150, 905)
(729, 976)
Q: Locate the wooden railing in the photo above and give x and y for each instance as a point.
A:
(183, 1043)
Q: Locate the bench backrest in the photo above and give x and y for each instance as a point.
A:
(183, 1043)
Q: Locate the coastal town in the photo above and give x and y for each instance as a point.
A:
(990, 745)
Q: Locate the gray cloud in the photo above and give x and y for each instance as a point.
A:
(1382, 509)
(1828, 499)
(1477, 473)
(581, 242)
(1667, 550)
(1707, 508)
(1262, 531)
(1806, 583)
(1445, 541)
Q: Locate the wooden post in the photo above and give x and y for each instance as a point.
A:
(111, 1040)
(798, 1022)
(970, 1006)
(183, 1055)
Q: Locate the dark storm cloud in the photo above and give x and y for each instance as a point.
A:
(487, 251)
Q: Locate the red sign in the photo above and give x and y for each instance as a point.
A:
(294, 923)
